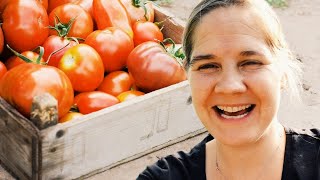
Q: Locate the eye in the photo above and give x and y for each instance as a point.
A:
(251, 64)
(208, 67)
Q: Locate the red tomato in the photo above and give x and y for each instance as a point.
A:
(111, 13)
(56, 44)
(3, 69)
(44, 3)
(146, 31)
(153, 68)
(127, 95)
(3, 4)
(21, 84)
(84, 67)
(70, 116)
(89, 102)
(86, 5)
(14, 61)
(82, 25)
(115, 52)
(136, 12)
(25, 24)
(55, 3)
(1, 40)
(115, 83)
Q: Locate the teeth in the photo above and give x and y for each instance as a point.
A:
(233, 109)
(234, 117)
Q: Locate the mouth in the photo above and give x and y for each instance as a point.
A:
(234, 112)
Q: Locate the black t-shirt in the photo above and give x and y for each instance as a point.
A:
(301, 161)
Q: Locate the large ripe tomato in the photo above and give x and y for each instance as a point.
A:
(127, 95)
(55, 3)
(153, 68)
(115, 83)
(84, 67)
(113, 45)
(25, 24)
(146, 31)
(3, 4)
(111, 13)
(14, 61)
(137, 12)
(1, 40)
(86, 5)
(44, 3)
(3, 69)
(21, 84)
(81, 27)
(89, 102)
(56, 46)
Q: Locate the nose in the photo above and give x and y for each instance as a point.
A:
(230, 82)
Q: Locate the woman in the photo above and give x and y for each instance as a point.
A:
(238, 64)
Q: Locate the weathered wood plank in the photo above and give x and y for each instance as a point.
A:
(116, 134)
(172, 27)
(19, 146)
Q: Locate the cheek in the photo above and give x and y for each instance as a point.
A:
(201, 88)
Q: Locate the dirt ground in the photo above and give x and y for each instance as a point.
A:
(301, 23)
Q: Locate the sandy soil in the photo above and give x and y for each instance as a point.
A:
(301, 23)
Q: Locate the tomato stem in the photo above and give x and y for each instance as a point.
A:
(56, 51)
(19, 55)
(61, 28)
(138, 3)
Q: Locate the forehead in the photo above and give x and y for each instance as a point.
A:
(229, 21)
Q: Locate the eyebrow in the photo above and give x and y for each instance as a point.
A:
(203, 57)
(212, 56)
(250, 53)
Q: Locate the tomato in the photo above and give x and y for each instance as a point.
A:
(1, 40)
(3, 69)
(153, 68)
(113, 45)
(21, 84)
(115, 83)
(89, 102)
(3, 4)
(14, 61)
(55, 3)
(111, 13)
(84, 67)
(25, 24)
(146, 31)
(86, 5)
(56, 44)
(44, 3)
(127, 95)
(137, 12)
(81, 27)
(70, 116)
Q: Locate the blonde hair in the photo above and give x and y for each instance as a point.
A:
(270, 26)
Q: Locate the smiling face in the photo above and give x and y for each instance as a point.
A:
(234, 78)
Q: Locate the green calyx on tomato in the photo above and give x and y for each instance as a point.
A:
(61, 28)
(173, 50)
(139, 3)
(27, 60)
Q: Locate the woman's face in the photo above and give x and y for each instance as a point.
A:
(235, 80)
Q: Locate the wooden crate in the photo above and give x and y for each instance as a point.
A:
(100, 140)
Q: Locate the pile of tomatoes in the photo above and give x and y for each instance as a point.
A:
(88, 54)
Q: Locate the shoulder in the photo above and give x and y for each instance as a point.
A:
(181, 165)
(311, 136)
(303, 153)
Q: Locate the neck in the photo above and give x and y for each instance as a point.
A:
(230, 160)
